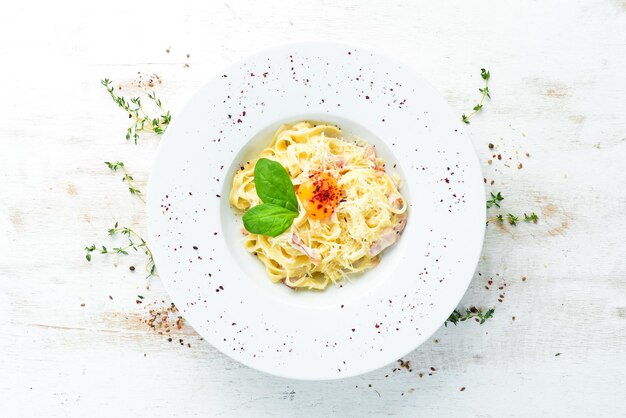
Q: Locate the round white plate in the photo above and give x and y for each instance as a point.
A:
(223, 291)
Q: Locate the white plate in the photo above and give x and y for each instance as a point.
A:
(223, 291)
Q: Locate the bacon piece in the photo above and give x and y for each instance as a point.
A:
(396, 201)
(298, 244)
(370, 153)
(387, 238)
(340, 162)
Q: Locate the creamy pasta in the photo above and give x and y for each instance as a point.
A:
(324, 245)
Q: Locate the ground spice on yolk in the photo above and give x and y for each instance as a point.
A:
(319, 195)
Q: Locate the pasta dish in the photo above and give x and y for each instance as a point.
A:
(349, 209)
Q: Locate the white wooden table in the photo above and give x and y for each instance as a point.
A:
(559, 93)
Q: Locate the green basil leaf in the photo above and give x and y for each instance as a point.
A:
(268, 219)
(273, 184)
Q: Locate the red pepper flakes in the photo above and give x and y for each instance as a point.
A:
(320, 195)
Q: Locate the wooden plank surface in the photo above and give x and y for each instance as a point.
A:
(558, 93)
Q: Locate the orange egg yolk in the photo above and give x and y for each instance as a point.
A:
(319, 195)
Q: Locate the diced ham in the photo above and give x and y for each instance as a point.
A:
(370, 153)
(387, 238)
(396, 201)
(298, 244)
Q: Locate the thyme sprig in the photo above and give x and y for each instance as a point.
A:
(130, 181)
(512, 219)
(141, 122)
(479, 315)
(485, 93)
(495, 200)
(135, 242)
(531, 218)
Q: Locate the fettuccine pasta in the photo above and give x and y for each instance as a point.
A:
(368, 216)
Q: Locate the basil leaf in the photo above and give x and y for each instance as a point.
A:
(268, 219)
(273, 184)
(280, 205)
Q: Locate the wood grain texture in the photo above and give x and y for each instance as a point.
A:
(558, 86)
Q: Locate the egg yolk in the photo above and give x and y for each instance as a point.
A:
(319, 195)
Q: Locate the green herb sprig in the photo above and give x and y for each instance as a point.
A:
(280, 205)
(495, 200)
(135, 242)
(127, 178)
(141, 122)
(512, 219)
(478, 314)
(531, 218)
(485, 93)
